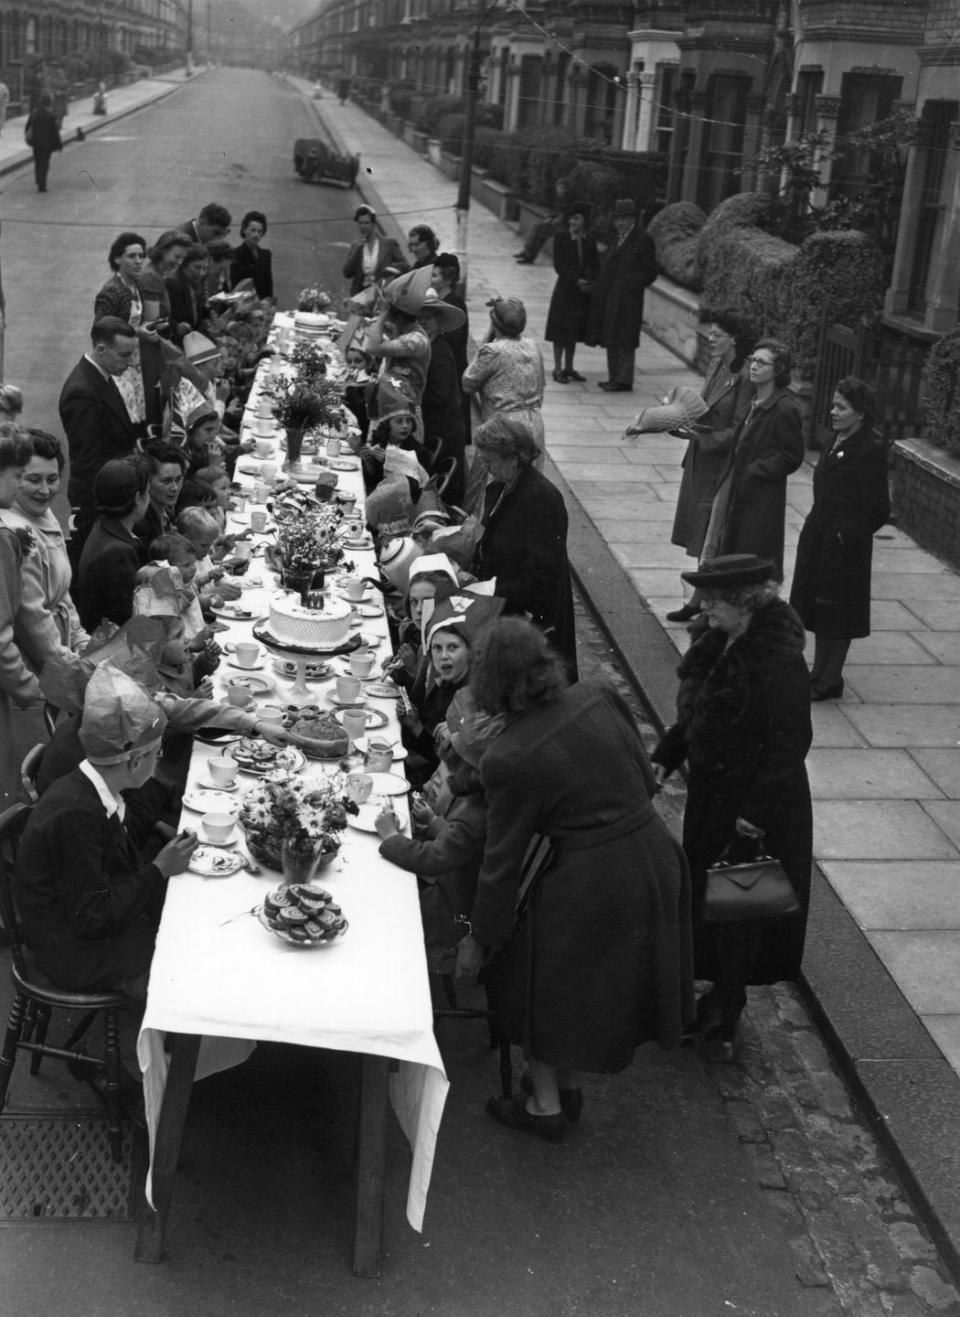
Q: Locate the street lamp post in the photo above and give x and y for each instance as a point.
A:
(466, 150)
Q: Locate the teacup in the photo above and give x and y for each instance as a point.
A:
(247, 654)
(217, 827)
(264, 448)
(359, 786)
(333, 446)
(361, 662)
(261, 491)
(258, 521)
(264, 408)
(379, 757)
(354, 723)
(355, 588)
(269, 471)
(348, 689)
(222, 771)
(239, 696)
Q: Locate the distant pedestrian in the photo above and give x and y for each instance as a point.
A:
(616, 310)
(548, 227)
(576, 261)
(43, 137)
(851, 501)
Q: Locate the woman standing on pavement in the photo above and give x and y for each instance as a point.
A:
(43, 137)
(576, 262)
(727, 391)
(370, 258)
(851, 501)
(743, 728)
(750, 505)
(591, 957)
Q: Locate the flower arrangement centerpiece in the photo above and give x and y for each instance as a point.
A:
(314, 299)
(301, 405)
(309, 543)
(311, 362)
(293, 824)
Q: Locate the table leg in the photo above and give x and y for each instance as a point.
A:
(371, 1159)
(184, 1049)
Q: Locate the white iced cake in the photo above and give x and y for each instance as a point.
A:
(313, 628)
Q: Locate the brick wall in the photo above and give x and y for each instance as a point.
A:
(926, 497)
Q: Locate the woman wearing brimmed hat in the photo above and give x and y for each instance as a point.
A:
(399, 338)
(743, 728)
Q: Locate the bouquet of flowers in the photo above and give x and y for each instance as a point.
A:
(299, 404)
(285, 809)
(309, 538)
(313, 299)
(311, 362)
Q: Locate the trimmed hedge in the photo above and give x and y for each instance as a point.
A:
(594, 184)
(676, 231)
(748, 271)
(940, 393)
(839, 274)
(746, 210)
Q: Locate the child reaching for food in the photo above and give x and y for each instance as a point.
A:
(165, 587)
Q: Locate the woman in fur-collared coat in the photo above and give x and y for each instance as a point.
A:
(743, 727)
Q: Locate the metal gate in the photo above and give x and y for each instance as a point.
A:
(843, 351)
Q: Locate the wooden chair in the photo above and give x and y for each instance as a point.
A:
(28, 772)
(35, 998)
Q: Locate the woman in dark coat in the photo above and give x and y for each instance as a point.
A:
(727, 391)
(751, 501)
(524, 544)
(44, 138)
(851, 501)
(743, 726)
(597, 961)
(576, 261)
(251, 261)
(112, 555)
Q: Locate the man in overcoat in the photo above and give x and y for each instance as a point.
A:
(616, 311)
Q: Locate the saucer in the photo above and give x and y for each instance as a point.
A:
(245, 667)
(343, 464)
(232, 837)
(203, 800)
(399, 751)
(365, 610)
(206, 785)
(233, 614)
(375, 718)
(364, 598)
(255, 685)
(334, 699)
(381, 690)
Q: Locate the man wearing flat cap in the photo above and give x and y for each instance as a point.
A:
(616, 311)
(89, 904)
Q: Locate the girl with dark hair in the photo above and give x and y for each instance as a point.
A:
(249, 259)
(588, 946)
(112, 555)
(750, 505)
(727, 391)
(851, 501)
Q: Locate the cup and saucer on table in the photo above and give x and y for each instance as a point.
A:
(220, 774)
(219, 829)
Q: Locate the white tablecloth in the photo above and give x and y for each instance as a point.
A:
(232, 982)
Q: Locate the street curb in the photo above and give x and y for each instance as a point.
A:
(25, 157)
(908, 1091)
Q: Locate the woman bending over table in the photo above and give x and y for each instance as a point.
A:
(591, 957)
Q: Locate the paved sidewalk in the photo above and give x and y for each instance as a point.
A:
(121, 101)
(885, 767)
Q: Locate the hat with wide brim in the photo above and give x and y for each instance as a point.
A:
(414, 293)
(730, 572)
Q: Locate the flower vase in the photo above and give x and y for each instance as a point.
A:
(300, 583)
(299, 858)
(319, 579)
(295, 435)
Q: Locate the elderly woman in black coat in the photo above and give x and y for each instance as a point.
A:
(524, 544)
(743, 728)
(576, 262)
(851, 501)
(593, 949)
(750, 505)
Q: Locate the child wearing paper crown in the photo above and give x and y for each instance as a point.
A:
(164, 588)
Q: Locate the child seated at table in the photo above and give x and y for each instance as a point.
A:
(446, 849)
(165, 587)
(200, 527)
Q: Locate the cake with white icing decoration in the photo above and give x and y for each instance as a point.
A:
(308, 628)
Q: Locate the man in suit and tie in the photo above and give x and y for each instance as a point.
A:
(616, 309)
(95, 417)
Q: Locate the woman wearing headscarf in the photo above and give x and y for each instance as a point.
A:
(587, 946)
(524, 542)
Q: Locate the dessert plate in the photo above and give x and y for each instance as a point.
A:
(375, 719)
(204, 800)
(211, 862)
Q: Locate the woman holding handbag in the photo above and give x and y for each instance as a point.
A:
(743, 728)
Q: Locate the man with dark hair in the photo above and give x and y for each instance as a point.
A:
(95, 418)
(212, 222)
(167, 465)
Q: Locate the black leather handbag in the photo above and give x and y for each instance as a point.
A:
(755, 889)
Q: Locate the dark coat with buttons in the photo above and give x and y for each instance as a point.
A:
(851, 501)
(616, 307)
(743, 728)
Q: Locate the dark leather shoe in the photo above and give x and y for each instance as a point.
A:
(575, 376)
(513, 1113)
(523, 259)
(821, 692)
(560, 377)
(571, 1099)
(608, 386)
(684, 614)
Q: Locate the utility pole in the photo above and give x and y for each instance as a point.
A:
(466, 149)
